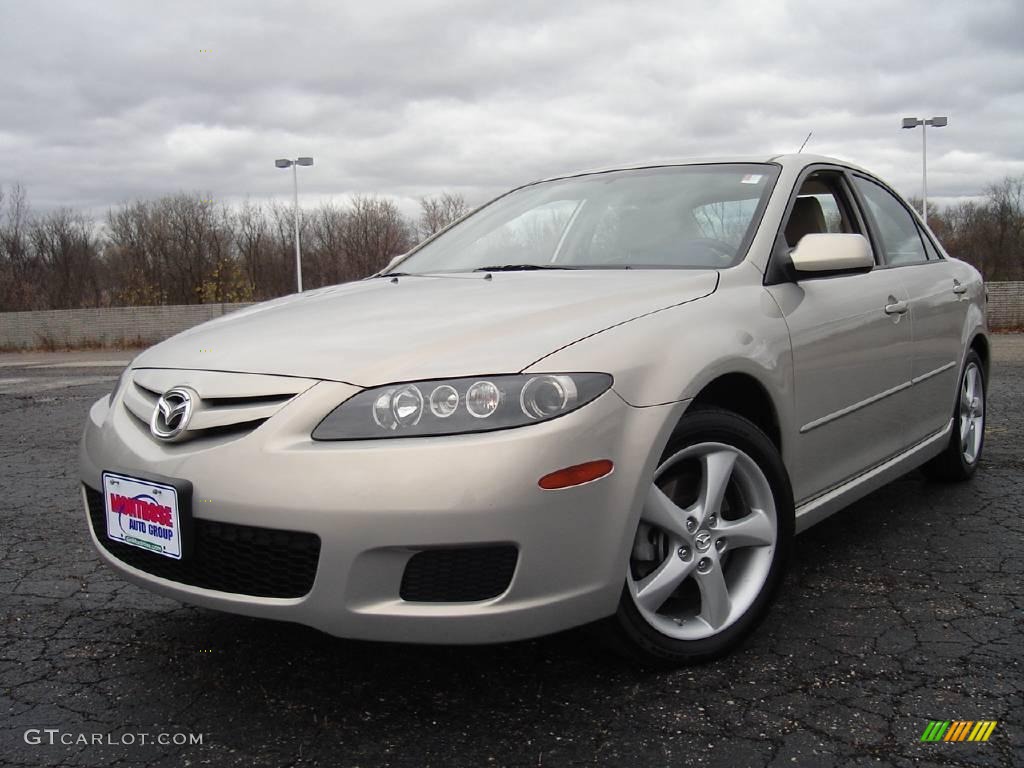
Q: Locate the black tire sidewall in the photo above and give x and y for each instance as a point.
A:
(714, 425)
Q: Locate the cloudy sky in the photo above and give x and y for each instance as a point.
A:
(101, 102)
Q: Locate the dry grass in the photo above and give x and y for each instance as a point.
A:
(46, 343)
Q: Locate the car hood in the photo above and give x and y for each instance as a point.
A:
(383, 330)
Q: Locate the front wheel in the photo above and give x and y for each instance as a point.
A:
(711, 545)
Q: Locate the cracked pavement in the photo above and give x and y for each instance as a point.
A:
(905, 607)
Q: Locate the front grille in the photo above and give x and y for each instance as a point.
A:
(459, 575)
(229, 405)
(244, 559)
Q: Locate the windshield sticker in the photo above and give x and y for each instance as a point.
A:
(751, 178)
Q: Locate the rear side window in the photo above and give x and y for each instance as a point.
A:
(820, 207)
(897, 231)
(933, 253)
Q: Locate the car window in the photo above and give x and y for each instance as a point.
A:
(725, 220)
(896, 228)
(699, 216)
(932, 251)
(537, 231)
(830, 208)
(820, 208)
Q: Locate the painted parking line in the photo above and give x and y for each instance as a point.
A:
(83, 364)
(43, 384)
(68, 364)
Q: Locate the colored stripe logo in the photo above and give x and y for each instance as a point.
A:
(958, 730)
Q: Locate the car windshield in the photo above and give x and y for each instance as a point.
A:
(697, 216)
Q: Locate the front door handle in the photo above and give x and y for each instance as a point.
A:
(896, 308)
(958, 288)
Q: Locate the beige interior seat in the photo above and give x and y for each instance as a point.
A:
(807, 218)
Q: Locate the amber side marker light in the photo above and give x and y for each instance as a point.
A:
(570, 476)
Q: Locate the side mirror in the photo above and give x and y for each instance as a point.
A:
(832, 252)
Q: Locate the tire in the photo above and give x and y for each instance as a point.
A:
(962, 453)
(728, 524)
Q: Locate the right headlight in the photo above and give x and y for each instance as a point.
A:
(458, 406)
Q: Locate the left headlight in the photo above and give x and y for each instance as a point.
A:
(459, 406)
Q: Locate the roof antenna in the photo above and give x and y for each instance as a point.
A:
(805, 142)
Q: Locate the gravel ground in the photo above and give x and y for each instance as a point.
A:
(904, 608)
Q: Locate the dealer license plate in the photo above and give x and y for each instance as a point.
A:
(143, 513)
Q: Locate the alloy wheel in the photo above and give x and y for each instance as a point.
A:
(972, 413)
(705, 543)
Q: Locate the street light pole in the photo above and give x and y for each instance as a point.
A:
(298, 249)
(924, 172)
(294, 165)
(935, 122)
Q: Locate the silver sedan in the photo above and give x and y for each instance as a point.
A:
(609, 398)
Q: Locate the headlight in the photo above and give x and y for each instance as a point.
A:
(454, 406)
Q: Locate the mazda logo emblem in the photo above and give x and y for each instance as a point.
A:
(172, 413)
(702, 540)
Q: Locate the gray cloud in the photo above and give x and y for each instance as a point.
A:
(106, 102)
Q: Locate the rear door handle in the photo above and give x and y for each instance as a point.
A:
(959, 289)
(896, 308)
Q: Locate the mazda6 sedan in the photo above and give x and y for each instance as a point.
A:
(609, 398)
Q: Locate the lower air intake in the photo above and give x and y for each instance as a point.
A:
(459, 575)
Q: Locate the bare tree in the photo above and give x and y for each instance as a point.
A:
(375, 231)
(254, 247)
(1006, 203)
(66, 251)
(438, 211)
(282, 225)
(138, 251)
(19, 289)
(325, 245)
(988, 234)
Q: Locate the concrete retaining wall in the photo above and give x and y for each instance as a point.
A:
(113, 326)
(1006, 305)
(139, 326)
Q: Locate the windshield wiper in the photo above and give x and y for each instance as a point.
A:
(389, 274)
(518, 267)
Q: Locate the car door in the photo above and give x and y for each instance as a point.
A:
(851, 345)
(938, 306)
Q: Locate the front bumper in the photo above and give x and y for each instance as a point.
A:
(375, 504)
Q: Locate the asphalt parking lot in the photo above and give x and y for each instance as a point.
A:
(905, 608)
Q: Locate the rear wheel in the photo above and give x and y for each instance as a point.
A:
(711, 545)
(963, 452)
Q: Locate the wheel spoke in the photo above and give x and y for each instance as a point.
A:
(752, 530)
(972, 413)
(661, 511)
(728, 479)
(654, 589)
(715, 603)
(969, 437)
(715, 479)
